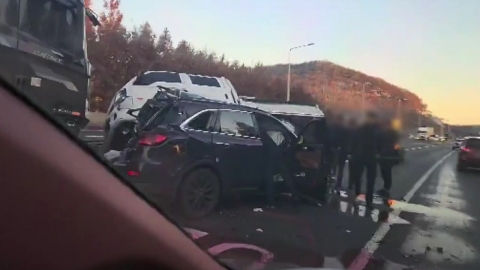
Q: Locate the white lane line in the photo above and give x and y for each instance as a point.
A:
(367, 252)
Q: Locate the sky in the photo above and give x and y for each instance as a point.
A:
(430, 47)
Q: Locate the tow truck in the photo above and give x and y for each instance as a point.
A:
(43, 53)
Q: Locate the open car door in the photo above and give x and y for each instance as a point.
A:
(310, 168)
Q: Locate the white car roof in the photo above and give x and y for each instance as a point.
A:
(215, 88)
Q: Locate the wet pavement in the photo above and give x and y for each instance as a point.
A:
(431, 224)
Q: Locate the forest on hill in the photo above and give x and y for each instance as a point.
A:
(118, 54)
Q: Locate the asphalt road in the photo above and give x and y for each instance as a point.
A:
(432, 224)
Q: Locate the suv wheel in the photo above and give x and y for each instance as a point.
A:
(199, 193)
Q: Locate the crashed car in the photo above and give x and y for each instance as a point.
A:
(196, 152)
(293, 115)
(119, 134)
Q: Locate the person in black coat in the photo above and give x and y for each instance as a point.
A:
(364, 153)
(345, 152)
(389, 154)
(341, 143)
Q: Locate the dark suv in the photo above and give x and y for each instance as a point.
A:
(469, 154)
(198, 151)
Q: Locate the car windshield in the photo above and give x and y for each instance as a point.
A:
(354, 146)
(58, 25)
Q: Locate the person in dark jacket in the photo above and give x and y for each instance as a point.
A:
(364, 153)
(331, 143)
(389, 154)
(345, 151)
(276, 164)
(341, 142)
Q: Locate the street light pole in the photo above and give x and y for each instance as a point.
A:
(399, 104)
(289, 66)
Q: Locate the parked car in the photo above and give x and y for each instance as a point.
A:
(203, 150)
(469, 155)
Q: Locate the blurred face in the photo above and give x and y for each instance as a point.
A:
(371, 119)
(386, 124)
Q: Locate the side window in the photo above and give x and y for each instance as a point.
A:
(204, 81)
(153, 77)
(276, 130)
(201, 122)
(237, 123)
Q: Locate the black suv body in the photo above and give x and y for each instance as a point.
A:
(189, 147)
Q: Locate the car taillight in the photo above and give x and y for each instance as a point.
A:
(465, 149)
(133, 173)
(152, 139)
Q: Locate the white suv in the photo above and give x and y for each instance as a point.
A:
(139, 89)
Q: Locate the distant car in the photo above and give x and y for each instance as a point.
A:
(469, 155)
(456, 144)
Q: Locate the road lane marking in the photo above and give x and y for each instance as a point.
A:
(367, 252)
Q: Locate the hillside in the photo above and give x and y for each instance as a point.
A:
(337, 86)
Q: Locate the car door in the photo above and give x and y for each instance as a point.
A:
(237, 149)
(310, 155)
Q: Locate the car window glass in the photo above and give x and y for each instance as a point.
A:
(273, 128)
(52, 23)
(201, 121)
(204, 81)
(153, 77)
(237, 123)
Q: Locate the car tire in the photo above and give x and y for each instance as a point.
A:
(199, 193)
(461, 167)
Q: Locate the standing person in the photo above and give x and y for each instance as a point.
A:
(345, 151)
(389, 154)
(341, 146)
(364, 153)
(334, 125)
